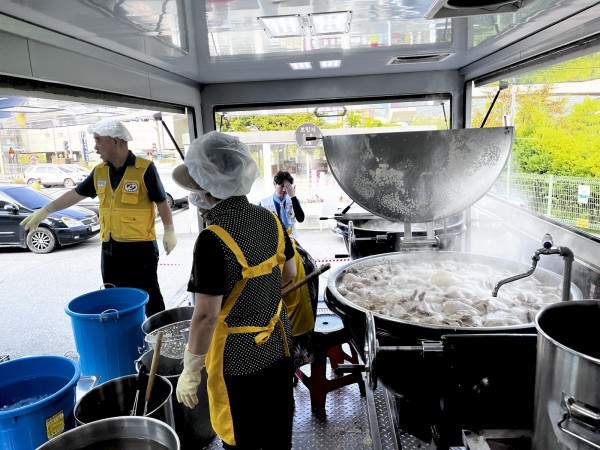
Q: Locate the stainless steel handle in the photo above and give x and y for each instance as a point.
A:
(580, 412)
(577, 410)
(371, 350)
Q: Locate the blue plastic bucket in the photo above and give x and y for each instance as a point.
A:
(107, 326)
(37, 397)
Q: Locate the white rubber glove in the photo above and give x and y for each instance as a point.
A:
(169, 238)
(190, 379)
(31, 222)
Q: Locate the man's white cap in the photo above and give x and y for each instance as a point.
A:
(110, 127)
(218, 163)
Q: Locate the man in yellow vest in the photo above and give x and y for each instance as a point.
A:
(240, 329)
(128, 188)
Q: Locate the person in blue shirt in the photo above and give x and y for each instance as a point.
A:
(285, 203)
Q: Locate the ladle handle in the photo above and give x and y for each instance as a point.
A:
(154, 367)
(323, 268)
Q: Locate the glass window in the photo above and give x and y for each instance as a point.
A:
(554, 168)
(271, 135)
(30, 198)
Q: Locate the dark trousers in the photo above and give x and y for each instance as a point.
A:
(133, 265)
(262, 407)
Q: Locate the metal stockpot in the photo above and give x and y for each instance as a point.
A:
(567, 384)
(374, 235)
(192, 425)
(116, 397)
(117, 432)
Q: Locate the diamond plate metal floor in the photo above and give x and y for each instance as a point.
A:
(351, 422)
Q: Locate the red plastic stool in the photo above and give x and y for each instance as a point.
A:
(328, 337)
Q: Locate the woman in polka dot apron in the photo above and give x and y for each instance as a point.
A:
(240, 329)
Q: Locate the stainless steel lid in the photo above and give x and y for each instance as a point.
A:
(418, 176)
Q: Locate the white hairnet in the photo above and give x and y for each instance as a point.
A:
(221, 164)
(110, 127)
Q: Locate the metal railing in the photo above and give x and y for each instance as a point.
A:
(573, 201)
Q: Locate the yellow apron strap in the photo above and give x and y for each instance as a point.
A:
(263, 268)
(251, 272)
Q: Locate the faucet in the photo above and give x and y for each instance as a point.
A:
(548, 248)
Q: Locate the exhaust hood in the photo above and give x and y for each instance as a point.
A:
(460, 8)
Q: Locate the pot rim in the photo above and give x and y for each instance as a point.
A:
(87, 395)
(101, 424)
(578, 304)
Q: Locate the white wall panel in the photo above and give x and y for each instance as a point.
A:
(56, 64)
(172, 92)
(14, 55)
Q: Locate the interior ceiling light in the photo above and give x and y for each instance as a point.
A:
(282, 26)
(323, 24)
(301, 65)
(332, 64)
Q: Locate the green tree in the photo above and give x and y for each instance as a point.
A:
(267, 122)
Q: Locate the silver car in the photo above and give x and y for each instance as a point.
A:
(52, 175)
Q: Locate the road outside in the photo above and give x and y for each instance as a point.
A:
(36, 288)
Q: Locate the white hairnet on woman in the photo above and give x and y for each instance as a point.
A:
(218, 163)
(240, 262)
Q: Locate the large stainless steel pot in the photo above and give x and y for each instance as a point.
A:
(193, 425)
(567, 384)
(397, 332)
(142, 433)
(116, 398)
(373, 235)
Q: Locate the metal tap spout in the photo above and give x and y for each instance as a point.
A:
(547, 249)
(535, 258)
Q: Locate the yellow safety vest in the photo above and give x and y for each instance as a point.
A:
(126, 214)
(298, 303)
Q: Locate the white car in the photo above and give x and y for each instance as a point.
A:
(52, 175)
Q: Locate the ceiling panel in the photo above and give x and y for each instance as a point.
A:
(216, 41)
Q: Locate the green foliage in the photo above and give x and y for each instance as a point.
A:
(268, 122)
(550, 138)
(579, 69)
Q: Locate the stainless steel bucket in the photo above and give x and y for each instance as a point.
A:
(192, 425)
(116, 397)
(567, 384)
(141, 433)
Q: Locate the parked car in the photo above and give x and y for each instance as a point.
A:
(91, 203)
(64, 227)
(176, 195)
(52, 175)
(76, 168)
